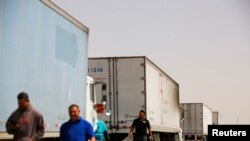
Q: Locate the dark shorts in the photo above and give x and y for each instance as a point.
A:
(140, 138)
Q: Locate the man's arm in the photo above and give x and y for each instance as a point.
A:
(40, 128)
(150, 134)
(132, 127)
(11, 125)
(150, 131)
(131, 131)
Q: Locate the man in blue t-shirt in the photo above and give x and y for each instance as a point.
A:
(76, 129)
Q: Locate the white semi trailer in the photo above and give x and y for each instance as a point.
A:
(216, 118)
(135, 83)
(43, 51)
(195, 120)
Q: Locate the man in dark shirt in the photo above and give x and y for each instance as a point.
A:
(141, 124)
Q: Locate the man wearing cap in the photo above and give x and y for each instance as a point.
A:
(25, 123)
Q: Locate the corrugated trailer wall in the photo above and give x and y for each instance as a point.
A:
(207, 118)
(43, 51)
(196, 118)
(135, 83)
(162, 94)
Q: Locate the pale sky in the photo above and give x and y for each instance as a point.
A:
(204, 45)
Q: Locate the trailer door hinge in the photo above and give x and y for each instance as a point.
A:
(142, 78)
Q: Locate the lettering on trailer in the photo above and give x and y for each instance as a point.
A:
(95, 69)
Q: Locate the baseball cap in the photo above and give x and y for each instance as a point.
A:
(23, 95)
